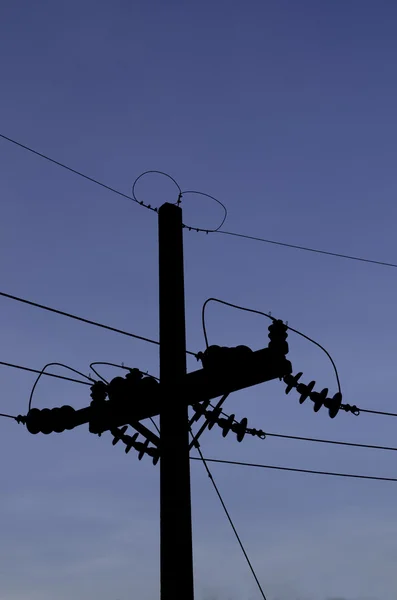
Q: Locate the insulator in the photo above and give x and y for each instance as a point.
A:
(143, 448)
(197, 413)
(242, 353)
(98, 391)
(117, 433)
(130, 442)
(210, 356)
(226, 424)
(257, 432)
(147, 387)
(68, 414)
(153, 452)
(200, 410)
(117, 388)
(134, 375)
(213, 416)
(240, 429)
(291, 381)
(305, 390)
(33, 420)
(62, 418)
(334, 404)
(46, 421)
(278, 336)
(353, 409)
(56, 417)
(319, 398)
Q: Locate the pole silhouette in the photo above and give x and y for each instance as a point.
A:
(176, 553)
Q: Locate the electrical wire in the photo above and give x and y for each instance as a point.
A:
(212, 198)
(230, 233)
(77, 318)
(203, 460)
(74, 171)
(30, 370)
(352, 444)
(83, 320)
(158, 173)
(311, 471)
(296, 247)
(109, 364)
(54, 375)
(8, 416)
(378, 412)
(320, 440)
(263, 314)
(54, 364)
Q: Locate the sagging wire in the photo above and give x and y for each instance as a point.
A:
(204, 461)
(148, 206)
(30, 370)
(296, 470)
(199, 229)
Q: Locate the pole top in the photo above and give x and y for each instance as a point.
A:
(169, 207)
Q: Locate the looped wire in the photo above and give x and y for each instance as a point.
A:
(200, 229)
(148, 206)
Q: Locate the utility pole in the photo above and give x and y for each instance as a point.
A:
(176, 553)
(126, 401)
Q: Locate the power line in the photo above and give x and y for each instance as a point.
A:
(212, 198)
(332, 473)
(377, 412)
(74, 171)
(83, 320)
(319, 440)
(309, 439)
(8, 416)
(77, 318)
(230, 233)
(30, 370)
(307, 249)
(229, 517)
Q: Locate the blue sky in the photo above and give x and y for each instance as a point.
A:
(285, 111)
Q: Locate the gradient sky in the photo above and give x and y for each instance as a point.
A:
(285, 111)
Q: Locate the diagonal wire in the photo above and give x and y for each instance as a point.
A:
(38, 371)
(336, 442)
(63, 166)
(77, 318)
(197, 445)
(307, 249)
(311, 471)
(8, 416)
(230, 233)
(319, 440)
(83, 320)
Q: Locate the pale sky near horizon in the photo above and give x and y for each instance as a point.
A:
(286, 112)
